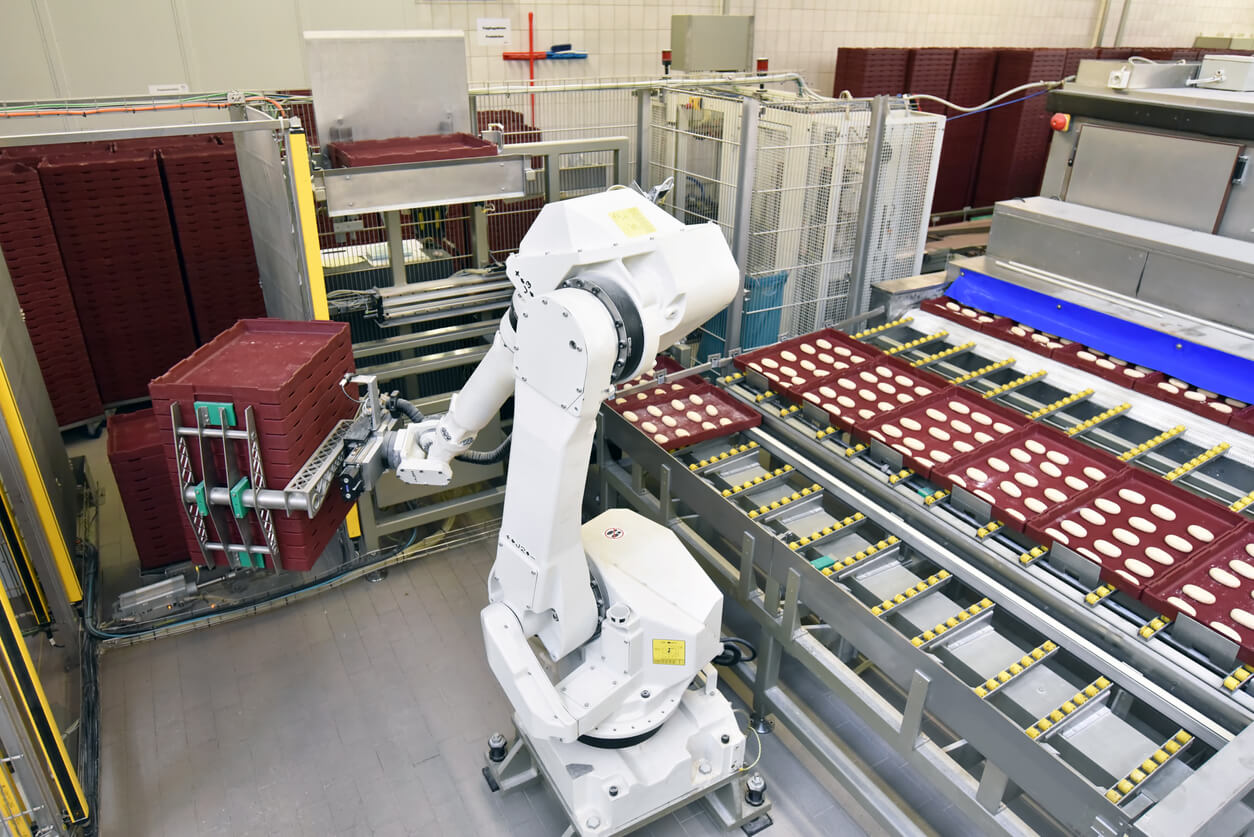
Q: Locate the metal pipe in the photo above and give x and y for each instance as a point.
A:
(746, 171)
(1101, 23)
(1123, 21)
(571, 87)
(266, 498)
(866, 203)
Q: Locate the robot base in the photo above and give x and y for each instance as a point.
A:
(608, 792)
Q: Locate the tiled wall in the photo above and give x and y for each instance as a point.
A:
(84, 49)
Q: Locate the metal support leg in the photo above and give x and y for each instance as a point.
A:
(644, 118)
(992, 787)
(912, 716)
(479, 245)
(746, 170)
(515, 769)
(765, 677)
(858, 292)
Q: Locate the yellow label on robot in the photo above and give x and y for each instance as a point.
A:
(668, 652)
(632, 222)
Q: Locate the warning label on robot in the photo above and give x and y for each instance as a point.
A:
(668, 652)
(632, 222)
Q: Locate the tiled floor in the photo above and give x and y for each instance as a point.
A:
(362, 711)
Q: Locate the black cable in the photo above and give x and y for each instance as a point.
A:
(731, 654)
(89, 712)
(407, 408)
(487, 457)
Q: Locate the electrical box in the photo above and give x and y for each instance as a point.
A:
(1230, 72)
(712, 43)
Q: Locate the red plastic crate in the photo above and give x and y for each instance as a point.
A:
(943, 427)
(951, 309)
(794, 365)
(871, 72)
(1035, 340)
(1216, 588)
(1203, 402)
(1135, 526)
(929, 71)
(1029, 473)
(289, 372)
(855, 398)
(676, 420)
(156, 517)
(1107, 366)
(409, 150)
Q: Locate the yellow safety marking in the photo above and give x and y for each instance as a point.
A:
(983, 370)
(1240, 505)
(732, 451)
(849, 561)
(1015, 669)
(735, 376)
(12, 805)
(632, 222)
(785, 411)
(1200, 459)
(1137, 450)
(819, 534)
(825, 431)
(668, 652)
(856, 449)
(776, 504)
(1238, 678)
(1153, 626)
(40, 712)
(1100, 593)
(953, 350)
(40, 497)
(747, 484)
(1015, 384)
(353, 522)
(935, 497)
(1137, 775)
(918, 341)
(1060, 403)
(877, 329)
(949, 624)
(1089, 692)
(1098, 419)
(30, 579)
(910, 592)
(1032, 554)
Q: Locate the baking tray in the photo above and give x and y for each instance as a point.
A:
(854, 398)
(676, 420)
(795, 364)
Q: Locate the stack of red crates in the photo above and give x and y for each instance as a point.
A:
(113, 227)
(211, 223)
(871, 72)
(1016, 140)
(970, 84)
(137, 457)
(289, 373)
(34, 262)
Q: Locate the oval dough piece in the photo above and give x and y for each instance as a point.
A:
(630, 416)
(660, 438)
(1011, 489)
(867, 376)
(866, 395)
(911, 424)
(1200, 533)
(711, 410)
(976, 474)
(903, 398)
(846, 402)
(892, 430)
(654, 411)
(1194, 395)
(981, 418)
(903, 380)
(887, 389)
(828, 359)
(1001, 427)
(707, 425)
(723, 422)
(827, 392)
(788, 356)
(1095, 474)
(1225, 578)
(1093, 517)
(922, 391)
(1034, 446)
(1242, 617)
(984, 495)
(669, 421)
(1174, 390)
(1049, 469)
(1160, 556)
(1161, 512)
(999, 464)
(1075, 483)
(1125, 537)
(807, 348)
(1089, 357)
(963, 447)
(1242, 568)
(1034, 504)
(1183, 605)
(1231, 633)
(1178, 543)
(1024, 478)
(1107, 548)
(1018, 332)
(866, 414)
(678, 405)
(883, 371)
(1136, 498)
(1105, 364)
(914, 444)
(1017, 515)
(1054, 495)
(982, 437)
(941, 456)
(824, 343)
(696, 399)
(770, 363)
(937, 433)
(959, 408)
(1058, 457)
(694, 416)
(1108, 506)
(789, 371)
(648, 427)
(1141, 568)
(1058, 536)
(1134, 373)
(1021, 455)
(960, 426)
(681, 433)
(936, 415)
(1073, 528)
(1143, 525)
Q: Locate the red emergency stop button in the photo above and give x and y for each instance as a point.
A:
(1060, 121)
